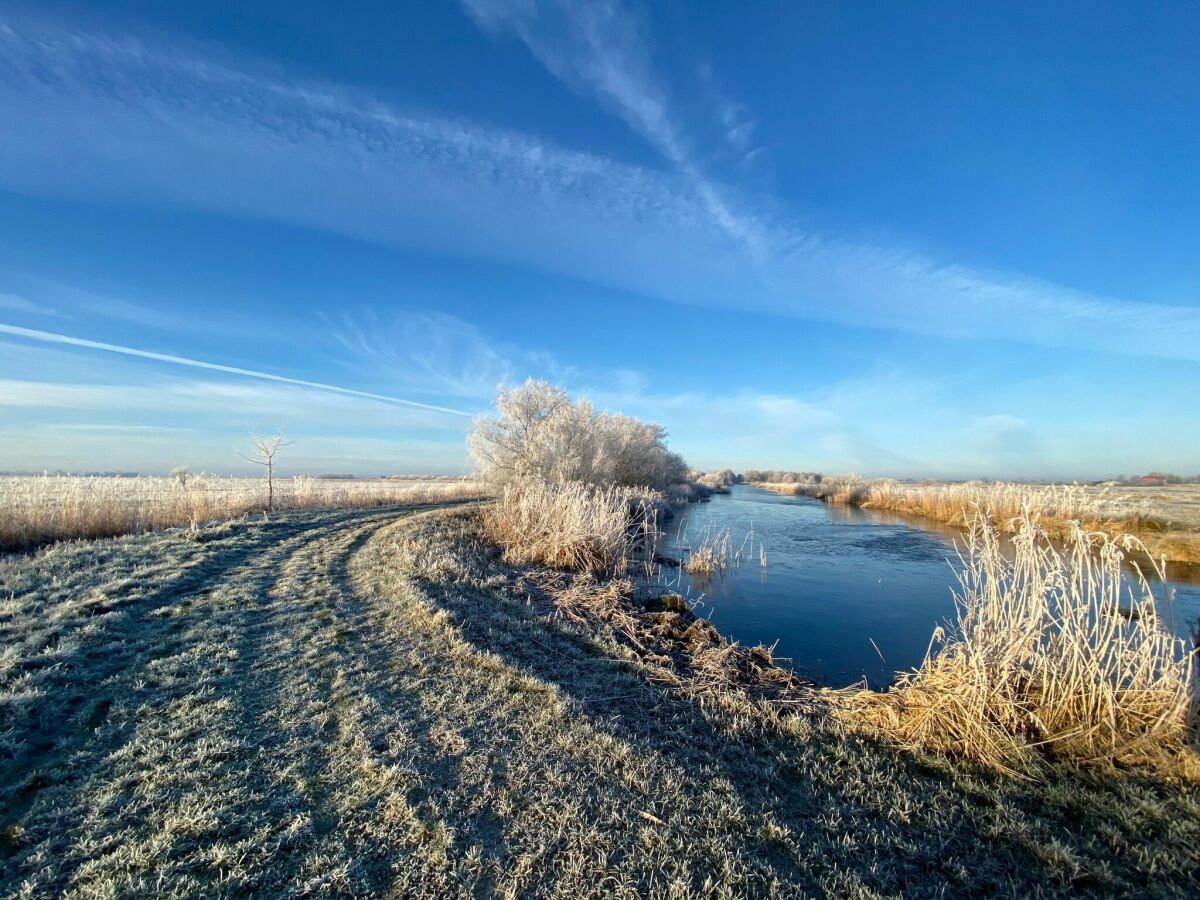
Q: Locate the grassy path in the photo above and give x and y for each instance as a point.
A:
(173, 706)
(368, 703)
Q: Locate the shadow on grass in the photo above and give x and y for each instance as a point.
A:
(873, 818)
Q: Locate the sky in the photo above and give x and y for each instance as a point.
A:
(909, 239)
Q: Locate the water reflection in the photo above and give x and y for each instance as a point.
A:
(846, 593)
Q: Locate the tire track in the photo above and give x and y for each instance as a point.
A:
(134, 744)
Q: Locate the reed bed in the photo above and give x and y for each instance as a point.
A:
(37, 510)
(1056, 508)
(1053, 653)
(575, 526)
(713, 554)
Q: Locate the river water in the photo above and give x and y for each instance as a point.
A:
(847, 593)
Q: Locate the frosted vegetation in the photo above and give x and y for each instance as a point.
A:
(1040, 663)
(37, 510)
(539, 433)
(360, 703)
(578, 488)
(1053, 653)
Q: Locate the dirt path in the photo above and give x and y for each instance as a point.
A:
(368, 703)
(172, 706)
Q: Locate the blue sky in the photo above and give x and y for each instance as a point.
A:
(908, 239)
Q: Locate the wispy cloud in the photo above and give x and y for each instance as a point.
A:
(52, 296)
(765, 429)
(210, 404)
(116, 120)
(599, 47)
(736, 124)
(131, 429)
(17, 303)
(28, 446)
(430, 352)
(67, 340)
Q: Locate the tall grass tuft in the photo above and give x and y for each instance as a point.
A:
(581, 527)
(1052, 652)
(712, 554)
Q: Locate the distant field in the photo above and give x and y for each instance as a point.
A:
(36, 510)
(1176, 504)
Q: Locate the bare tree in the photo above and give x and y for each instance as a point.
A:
(265, 449)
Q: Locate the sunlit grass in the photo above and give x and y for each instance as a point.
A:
(1053, 652)
(574, 526)
(37, 510)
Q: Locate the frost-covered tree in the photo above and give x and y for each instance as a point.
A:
(539, 432)
(265, 448)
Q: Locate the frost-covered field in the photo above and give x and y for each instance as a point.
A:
(368, 702)
(36, 510)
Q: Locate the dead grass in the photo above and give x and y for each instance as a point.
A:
(712, 553)
(37, 510)
(575, 526)
(1052, 653)
(1166, 521)
(594, 553)
(677, 650)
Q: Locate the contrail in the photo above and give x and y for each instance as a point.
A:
(50, 337)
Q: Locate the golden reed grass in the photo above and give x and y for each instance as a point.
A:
(1056, 508)
(36, 510)
(1053, 652)
(575, 526)
(712, 554)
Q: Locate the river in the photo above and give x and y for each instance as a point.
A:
(846, 593)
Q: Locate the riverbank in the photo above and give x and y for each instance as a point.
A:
(1165, 519)
(373, 702)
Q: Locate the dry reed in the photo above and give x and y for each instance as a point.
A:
(712, 555)
(1045, 658)
(678, 650)
(574, 526)
(36, 510)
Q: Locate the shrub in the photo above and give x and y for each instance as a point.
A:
(719, 482)
(540, 433)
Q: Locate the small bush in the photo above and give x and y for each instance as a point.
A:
(718, 482)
